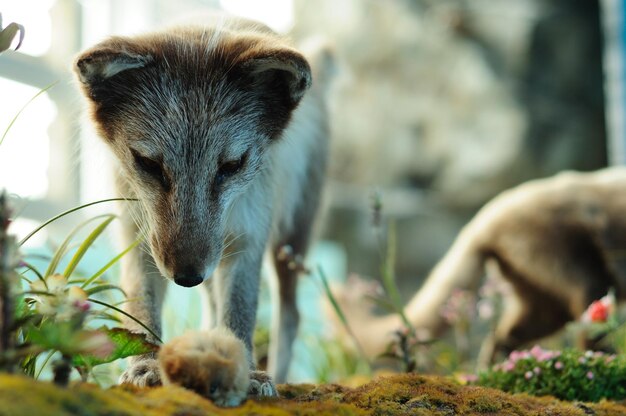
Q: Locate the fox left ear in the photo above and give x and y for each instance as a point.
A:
(283, 73)
(99, 64)
(103, 63)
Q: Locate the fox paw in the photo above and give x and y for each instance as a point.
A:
(211, 363)
(261, 385)
(142, 373)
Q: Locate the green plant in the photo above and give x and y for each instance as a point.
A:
(407, 346)
(51, 312)
(342, 317)
(568, 374)
(335, 362)
(55, 313)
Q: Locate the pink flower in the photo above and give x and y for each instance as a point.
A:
(558, 365)
(590, 375)
(543, 355)
(536, 351)
(515, 356)
(528, 375)
(81, 306)
(537, 370)
(582, 360)
(508, 366)
(460, 307)
(469, 378)
(485, 309)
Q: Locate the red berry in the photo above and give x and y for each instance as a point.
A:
(598, 311)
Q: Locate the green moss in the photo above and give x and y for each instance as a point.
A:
(394, 395)
(484, 405)
(294, 391)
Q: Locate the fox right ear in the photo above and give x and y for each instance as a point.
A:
(99, 64)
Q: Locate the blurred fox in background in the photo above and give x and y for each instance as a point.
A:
(559, 243)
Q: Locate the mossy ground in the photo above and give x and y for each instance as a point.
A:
(405, 394)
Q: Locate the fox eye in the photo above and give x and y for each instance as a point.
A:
(229, 168)
(151, 168)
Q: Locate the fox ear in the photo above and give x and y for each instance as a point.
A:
(281, 71)
(99, 64)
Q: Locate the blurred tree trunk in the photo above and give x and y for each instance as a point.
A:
(7, 255)
(562, 88)
(613, 14)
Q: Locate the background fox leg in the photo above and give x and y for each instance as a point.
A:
(285, 320)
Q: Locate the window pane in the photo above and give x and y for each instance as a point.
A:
(24, 154)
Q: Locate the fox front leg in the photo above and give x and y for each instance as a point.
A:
(145, 289)
(237, 296)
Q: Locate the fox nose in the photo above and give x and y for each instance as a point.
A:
(188, 280)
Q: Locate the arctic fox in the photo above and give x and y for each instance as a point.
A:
(559, 242)
(220, 132)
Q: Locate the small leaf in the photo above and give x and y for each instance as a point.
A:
(127, 344)
(8, 34)
(54, 336)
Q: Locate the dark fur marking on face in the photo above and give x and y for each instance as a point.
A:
(153, 169)
(229, 168)
(121, 72)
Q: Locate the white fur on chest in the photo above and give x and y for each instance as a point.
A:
(274, 196)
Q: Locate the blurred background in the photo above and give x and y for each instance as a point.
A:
(438, 106)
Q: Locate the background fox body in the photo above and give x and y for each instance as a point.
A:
(220, 138)
(559, 242)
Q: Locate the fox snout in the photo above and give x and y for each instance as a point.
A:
(187, 265)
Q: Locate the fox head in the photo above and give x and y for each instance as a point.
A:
(190, 114)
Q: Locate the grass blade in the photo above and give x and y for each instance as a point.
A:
(82, 249)
(137, 321)
(32, 268)
(43, 365)
(6, 131)
(60, 252)
(104, 288)
(341, 315)
(69, 211)
(111, 263)
(388, 277)
(105, 316)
